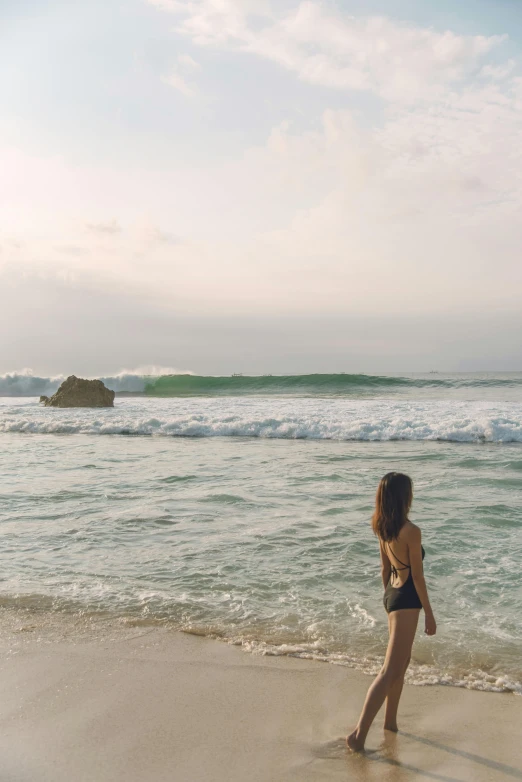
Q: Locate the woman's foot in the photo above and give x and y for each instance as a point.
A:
(353, 741)
(391, 726)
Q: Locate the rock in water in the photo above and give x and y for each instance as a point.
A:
(76, 392)
(44, 398)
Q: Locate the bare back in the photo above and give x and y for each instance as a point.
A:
(397, 552)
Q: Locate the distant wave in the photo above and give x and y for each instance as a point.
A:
(204, 385)
(159, 382)
(332, 384)
(25, 383)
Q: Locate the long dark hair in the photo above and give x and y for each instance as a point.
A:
(392, 504)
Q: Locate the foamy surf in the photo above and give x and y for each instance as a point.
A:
(418, 674)
(30, 612)
(304, 419)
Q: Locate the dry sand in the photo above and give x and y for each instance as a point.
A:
(158, 706)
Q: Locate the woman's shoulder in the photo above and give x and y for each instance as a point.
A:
(410, 532)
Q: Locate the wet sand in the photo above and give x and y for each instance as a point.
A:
(156, 705)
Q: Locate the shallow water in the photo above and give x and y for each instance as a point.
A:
(265, 540)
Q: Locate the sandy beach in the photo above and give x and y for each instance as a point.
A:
(154, 704)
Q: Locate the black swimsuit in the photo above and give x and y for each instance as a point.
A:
(404, 596)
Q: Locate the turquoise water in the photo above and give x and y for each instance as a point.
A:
(248, 519)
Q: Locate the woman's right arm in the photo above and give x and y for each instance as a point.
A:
(385, 565)
(417, 572)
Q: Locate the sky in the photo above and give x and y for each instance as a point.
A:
(260, 185)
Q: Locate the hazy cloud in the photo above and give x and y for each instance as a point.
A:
(176, 80)
(188, 63)
(85, 330)
(395, 60)
(180, 74)
(499, 71)
(71, 249)
(109, 227)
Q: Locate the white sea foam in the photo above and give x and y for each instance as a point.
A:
(419, 675)
(277, 419)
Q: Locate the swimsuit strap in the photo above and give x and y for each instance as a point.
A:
(393, 568)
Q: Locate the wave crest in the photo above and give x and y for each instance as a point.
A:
(130, 381)
(167, 382)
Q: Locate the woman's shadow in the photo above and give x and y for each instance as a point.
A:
(336, 750)
(495, 765)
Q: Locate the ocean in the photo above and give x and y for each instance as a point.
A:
(239, 508)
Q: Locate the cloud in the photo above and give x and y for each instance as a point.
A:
(149, 235)
(402, 216)
(177, 77)
(109, 227)
(398, 211)
(187, 62)
(396, 61)
(499, 71)
(71, 249)
(176, 80)
(155, 236)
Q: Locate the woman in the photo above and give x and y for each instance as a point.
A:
(405, 594)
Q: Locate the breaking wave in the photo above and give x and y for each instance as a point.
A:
(26, 383)
(166, 382)
(314, 384)
(374, 423)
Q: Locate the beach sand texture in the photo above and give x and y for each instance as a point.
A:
(157, 705)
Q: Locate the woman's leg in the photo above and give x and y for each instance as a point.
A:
(403, 625)
(392, 702)
(394, 696)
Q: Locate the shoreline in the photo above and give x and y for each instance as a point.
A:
(163, 705)
(38, 613)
